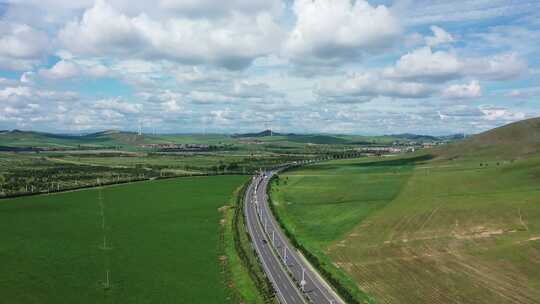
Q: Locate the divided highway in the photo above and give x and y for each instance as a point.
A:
(293, 279)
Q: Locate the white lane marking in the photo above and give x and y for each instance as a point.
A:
(266, 209)
(257, 219)
(279, 293)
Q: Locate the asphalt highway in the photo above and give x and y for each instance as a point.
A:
(293, 280)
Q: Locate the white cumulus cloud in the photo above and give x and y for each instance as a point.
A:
(21, 46)
(497, 67)
(460, 91)
(118, 105)
(440, 36)
(425, 65)
(363, 87)
(65, 69)
(336, 30)
(233, 42)
(205, 8)
(494, 113)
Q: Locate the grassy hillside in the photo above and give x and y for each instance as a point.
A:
(463, 227)
(109, 138)
(162, 244)
(317, 139)
(516, 140)
(18, 138)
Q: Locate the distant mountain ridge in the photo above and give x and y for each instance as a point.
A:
(411, 136)
(117, 138)
(260, 134)
(20, 138)
(517, 139)
(298, 138)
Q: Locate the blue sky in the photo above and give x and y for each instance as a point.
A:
(333, 66)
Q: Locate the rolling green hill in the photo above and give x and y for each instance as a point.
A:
(515, 140)
(268, 135)
(18, 138)
(109, 138)
(317, 139)
(327, 139)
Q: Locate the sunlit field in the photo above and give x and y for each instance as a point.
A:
(422, 231)
(148, 242)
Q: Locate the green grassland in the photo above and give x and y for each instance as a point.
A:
(422, 232)
(162, 244)
(457, 228)
(316, 186)
(36, 161)
(27, 164)
(22, 172)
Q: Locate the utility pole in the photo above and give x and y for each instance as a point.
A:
(107, 283)
(303, 282)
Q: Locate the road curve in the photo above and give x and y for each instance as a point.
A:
(280, 260)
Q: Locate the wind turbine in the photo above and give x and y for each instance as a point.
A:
(268, 127)
(140, 128)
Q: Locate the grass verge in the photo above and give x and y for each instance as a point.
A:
(238, 276)
(342, 284)
(246, 271)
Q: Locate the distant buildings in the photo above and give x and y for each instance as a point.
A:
(381, 150)
(177, 147)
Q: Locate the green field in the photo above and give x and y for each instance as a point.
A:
(26, 171)
(162, 244)
(37, 162)
(420, 230)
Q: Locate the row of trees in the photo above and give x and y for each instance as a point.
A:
(56, 177)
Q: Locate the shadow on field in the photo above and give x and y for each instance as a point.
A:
(396, 162)
(375, 163)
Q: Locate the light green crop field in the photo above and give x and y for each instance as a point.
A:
(162, 244)
(422, 231)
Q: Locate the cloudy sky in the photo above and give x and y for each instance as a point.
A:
(335, 66)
